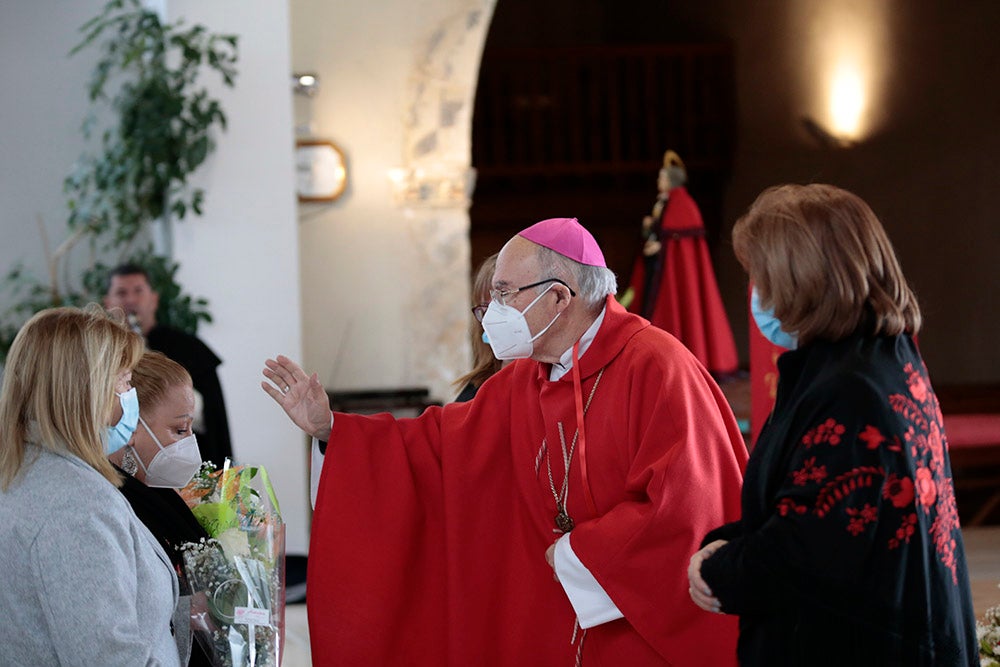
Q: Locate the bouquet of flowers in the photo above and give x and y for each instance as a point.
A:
(237, 576)
(988, 634)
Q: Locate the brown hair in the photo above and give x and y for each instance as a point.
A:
(820, 258)
(484, 364)
(59, 382)
(154, 376)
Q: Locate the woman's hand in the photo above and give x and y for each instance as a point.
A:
(698, 589)
(301, 396)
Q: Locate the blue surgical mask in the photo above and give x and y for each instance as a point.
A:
(121, 433)
(486, 339)
(770, 325)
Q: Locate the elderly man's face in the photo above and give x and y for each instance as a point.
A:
(517, 265)
(133, 294)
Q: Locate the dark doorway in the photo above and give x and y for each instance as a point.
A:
(573, 120)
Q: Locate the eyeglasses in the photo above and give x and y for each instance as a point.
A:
(503, 295)
(479, 312)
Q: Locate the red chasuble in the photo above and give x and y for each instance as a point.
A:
(429, 534)
(683, 296)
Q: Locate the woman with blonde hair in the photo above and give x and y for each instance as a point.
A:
(849, 549)
(85, 582)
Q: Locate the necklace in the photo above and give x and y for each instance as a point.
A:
(129, 463)
(564, 522)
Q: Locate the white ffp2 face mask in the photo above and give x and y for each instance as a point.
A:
(174, 465)
(508, 331)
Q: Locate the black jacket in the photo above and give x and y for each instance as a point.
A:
(849, 550)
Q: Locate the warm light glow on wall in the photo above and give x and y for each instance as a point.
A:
(847, 101)
(842, 65)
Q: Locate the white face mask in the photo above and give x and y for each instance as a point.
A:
(508, 332)
(174, 465)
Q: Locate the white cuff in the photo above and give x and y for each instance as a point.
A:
(315, 471)
(316, 466)
(592, 605)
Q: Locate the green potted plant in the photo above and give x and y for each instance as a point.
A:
(159, 131)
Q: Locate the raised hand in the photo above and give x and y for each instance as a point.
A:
(301, 396)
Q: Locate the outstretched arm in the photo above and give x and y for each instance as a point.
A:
(301, 396)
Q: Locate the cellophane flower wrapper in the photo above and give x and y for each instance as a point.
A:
(237, 575)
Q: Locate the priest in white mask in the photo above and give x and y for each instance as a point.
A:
(547, 522)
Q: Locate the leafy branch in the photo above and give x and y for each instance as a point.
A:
(158, 132)
(165, 120)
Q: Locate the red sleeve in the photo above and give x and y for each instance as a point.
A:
(378, 520)
(686, 457)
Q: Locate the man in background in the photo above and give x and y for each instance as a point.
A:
(129, 288)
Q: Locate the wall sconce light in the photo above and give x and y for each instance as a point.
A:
(847, 92)
(437, 186)
(824, 137)
(305, 84)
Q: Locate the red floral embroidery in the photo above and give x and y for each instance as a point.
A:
(905, 531)
(898, 490)
(872, 437)
(912, 412)
(810, 472)
(843, 485)
(829, 431)
(860, 518)
(935, 442)
(786, 505)
(945, 526)
(918, 387)
(926, 488)
(933, 488)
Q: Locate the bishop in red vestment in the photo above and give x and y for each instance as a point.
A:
(547, 522)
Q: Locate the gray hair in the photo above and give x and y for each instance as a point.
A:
(591, 283)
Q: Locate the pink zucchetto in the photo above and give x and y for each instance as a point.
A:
(567, 237)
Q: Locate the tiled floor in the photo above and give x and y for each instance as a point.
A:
(296, 637)
(982, 546)
(982, 551)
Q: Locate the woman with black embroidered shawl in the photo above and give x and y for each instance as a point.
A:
(849, 550)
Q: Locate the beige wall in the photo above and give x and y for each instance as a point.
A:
(385, 288)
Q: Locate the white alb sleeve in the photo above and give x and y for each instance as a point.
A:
(315, 471)
(593, 606)
(316, 467)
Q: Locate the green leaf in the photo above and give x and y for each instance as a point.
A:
(162, 128)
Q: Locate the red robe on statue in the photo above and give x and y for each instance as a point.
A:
(763, 376)
(677, 291)
(429, 536)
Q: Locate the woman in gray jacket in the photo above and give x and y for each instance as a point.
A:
(84, 581)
